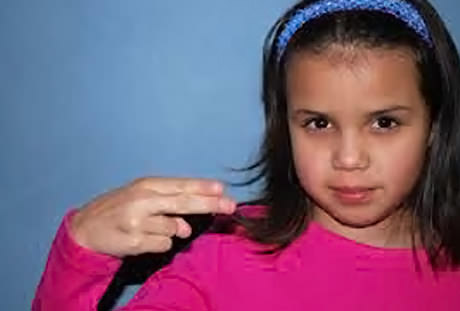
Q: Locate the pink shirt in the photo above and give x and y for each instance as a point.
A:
(318, 271)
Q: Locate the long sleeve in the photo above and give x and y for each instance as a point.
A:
(75, 278)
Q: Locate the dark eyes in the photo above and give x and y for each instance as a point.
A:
(383, 123)
(317, 123)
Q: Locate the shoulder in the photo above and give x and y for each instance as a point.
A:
(207, 267)
(225, 237)
(227, 232)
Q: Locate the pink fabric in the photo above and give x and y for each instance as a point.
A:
(319, 271)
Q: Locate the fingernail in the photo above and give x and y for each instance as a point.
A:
(187, 233)
(217, 187)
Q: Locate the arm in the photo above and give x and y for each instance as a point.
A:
(75, 278)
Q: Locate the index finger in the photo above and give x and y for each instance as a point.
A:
(171, 186)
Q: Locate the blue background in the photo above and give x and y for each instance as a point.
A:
(96, 93)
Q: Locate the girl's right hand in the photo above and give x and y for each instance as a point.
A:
(144, 215)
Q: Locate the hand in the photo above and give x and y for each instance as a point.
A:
(144, 215)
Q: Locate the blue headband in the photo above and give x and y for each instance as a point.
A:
(401, 10)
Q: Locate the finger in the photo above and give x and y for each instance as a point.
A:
(198, 186)
(159, 225)
(167, 226)
(147, 243)
(184, 230)
(191, 204)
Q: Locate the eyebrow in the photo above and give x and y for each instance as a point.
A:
(302, 111)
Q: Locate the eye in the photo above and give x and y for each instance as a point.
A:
(316, 124)
(385, 123)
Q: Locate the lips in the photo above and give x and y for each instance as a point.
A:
(353, 194)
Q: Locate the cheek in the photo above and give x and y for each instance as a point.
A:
(400, 165)
(311, 161)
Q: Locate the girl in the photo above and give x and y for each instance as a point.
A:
(360, 171)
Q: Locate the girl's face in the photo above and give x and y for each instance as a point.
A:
(359, 128)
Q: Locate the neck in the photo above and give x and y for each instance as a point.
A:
(395, 231)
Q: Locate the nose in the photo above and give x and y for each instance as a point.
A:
(350, 153)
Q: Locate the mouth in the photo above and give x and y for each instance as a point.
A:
(353, 195)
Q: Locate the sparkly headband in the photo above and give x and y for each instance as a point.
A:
(401, 10)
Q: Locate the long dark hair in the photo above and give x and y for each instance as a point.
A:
(434, 199)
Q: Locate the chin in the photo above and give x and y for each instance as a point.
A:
(357, 222)
(358, 218)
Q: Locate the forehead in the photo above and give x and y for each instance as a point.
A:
(341, 75)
